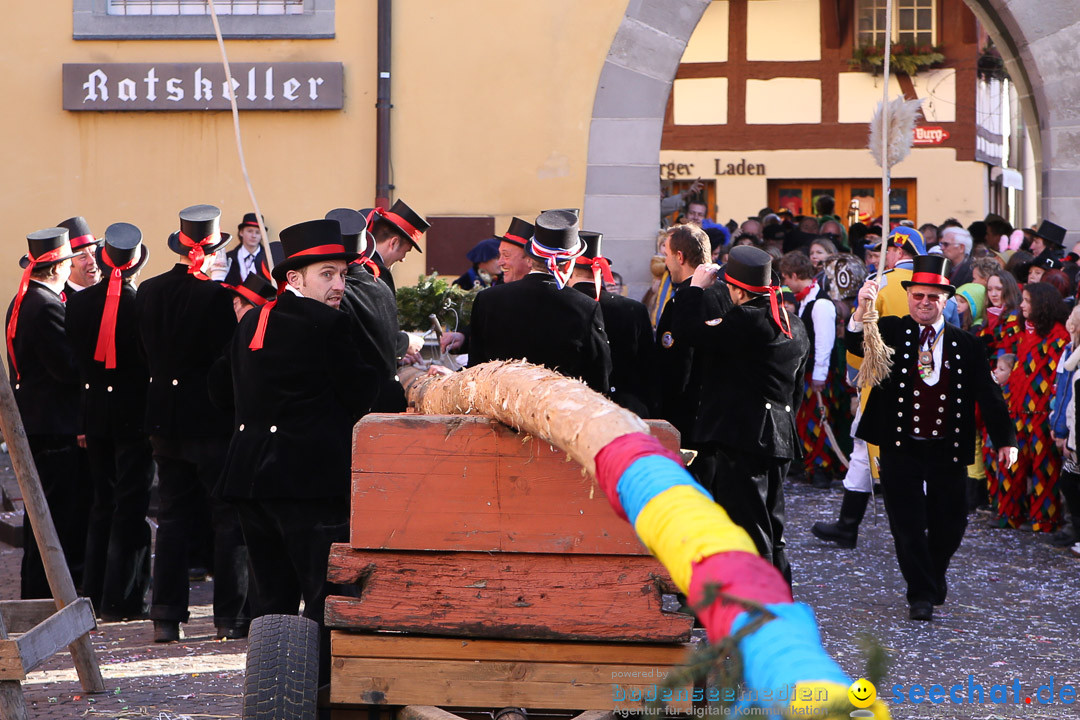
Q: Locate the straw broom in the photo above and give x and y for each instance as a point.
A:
(891, 137)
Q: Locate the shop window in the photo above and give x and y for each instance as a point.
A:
(854, 200)
(171, 19)
(913, 22)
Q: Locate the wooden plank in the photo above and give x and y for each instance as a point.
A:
(46, 639)
(462, 683)
(21, 615)
(12, 702)
(348, 644)
(456, 482)
(522, 596)
(425, 712)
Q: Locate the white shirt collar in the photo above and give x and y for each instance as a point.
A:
(294, 291)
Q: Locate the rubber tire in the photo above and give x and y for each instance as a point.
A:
(282, 673)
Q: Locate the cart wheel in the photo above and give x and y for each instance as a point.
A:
(282, 674)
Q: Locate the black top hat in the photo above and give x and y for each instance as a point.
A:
(255, 289)
(592, 242)
(122, 242)
(200, 222)
(519, 233)
(1051, 233)
(44, 241)
(577, 213)
(353, 229)
(405, 219)
(311, 242)
(749, 268)
(251, 220)
(1047, 262)
(932, 270)
(79, 234)
(555, 232)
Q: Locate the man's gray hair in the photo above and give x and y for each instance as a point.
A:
(959, 235)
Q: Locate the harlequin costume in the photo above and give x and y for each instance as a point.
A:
(999, 334)
(1031, 389)
(818, 314)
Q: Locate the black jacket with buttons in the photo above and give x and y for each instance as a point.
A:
(753, 379)
(184, 324)
(533, 319)
(887, 419)
(113, 401)
(296, 401)
(47, 390)
(630, 334)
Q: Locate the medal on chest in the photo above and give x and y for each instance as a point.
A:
(926, 358)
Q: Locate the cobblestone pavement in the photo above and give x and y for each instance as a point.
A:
(1013, 613)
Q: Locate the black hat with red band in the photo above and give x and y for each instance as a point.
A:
(251, 220)
(750, 269)
(255, 290)
(593, 257)
(931, 270)
(79, 233)
(519, 233)
(43, 242)
(353, 228)
(122, 248)
(311, 242)
(404, 218)
(199, 224)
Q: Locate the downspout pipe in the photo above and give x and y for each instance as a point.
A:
(382, 109)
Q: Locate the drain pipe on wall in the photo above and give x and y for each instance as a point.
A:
(382, 105)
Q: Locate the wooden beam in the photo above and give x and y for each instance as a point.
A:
(509, 595)
(425, 712)
(22, 615)
(20, 656)
(831, 35)
(12, 703)
(52, 555)
(392, 645)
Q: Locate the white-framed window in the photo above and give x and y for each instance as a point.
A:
(202, 7)
(914, 22)
(174, 19)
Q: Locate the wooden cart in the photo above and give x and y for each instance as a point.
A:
(491, 572)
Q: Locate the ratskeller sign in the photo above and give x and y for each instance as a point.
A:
(201, 86)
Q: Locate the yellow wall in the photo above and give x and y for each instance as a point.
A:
(492, 102)
(945, 188)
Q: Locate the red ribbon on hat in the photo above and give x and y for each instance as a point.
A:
(601, 268)
(401, 222)
(321, 250)
(368, 263)
(554, 256)
(253, 297)
(779, 311)
(197, 254)
(24, 285)
(106, 339)
(77, 243)
(260, 329)
(516, 238)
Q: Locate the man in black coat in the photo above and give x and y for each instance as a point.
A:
(538, 318)
(371, 305)
(677, 379)
(628, 328)
(103, 331)
(248, 257)
(42, 371)
(297, 376)
(184, 323)
(922, 416)
(744, 427)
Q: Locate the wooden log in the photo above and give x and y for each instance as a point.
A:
(33, 648)
(22, 615)
(52, 555)
(518, 595)
(12, 702)
(458, 683)
(393, 645)
(425, 712)
(436, 482)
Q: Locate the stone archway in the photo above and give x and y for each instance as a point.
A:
(1039, 39)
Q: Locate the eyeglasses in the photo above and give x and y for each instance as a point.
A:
(919, 297)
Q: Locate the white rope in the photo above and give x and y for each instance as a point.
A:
(885, 134)
(264, 241)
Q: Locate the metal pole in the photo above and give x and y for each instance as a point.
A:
(382, 105)
(886, 170)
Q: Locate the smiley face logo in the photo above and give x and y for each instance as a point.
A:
(862, 693)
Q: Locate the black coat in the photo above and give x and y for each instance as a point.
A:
(676, 385)
(384, 273)
(371, 305)
(296, 401)
(630, 337)
(113, 401)
(47, 390)
(886, 420)
(533, 319)
(233, 276)
(754, 380)
(184, 324)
